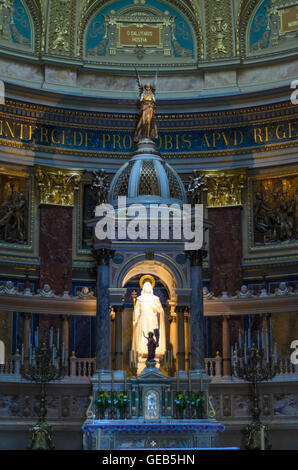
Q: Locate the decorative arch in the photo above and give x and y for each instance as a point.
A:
(26, 27)
(186, 8)
(264, 26)
(244, 12)
(162, 266)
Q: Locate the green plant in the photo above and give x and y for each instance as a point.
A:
(181, 400)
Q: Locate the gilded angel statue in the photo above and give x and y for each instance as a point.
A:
(146, 127)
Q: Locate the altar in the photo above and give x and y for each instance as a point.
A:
(150, 388)
(134, 434)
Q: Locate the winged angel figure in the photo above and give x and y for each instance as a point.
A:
(146, 127)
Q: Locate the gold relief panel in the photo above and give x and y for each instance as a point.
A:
(224, 188)
(219, 29)
(273, 211)
(57, 186)
(16, 209)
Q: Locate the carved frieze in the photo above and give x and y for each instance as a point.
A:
(274, 207)
(57, 186)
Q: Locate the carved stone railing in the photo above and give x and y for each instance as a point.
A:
(81, 367)
(213, 365)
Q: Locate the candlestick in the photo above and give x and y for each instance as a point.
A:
(262, 339)
(262, 437)
(275, 353)
(99, 381)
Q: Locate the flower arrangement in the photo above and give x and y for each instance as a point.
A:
(103, 402)
(181, 400)
(196, 402)
(121, 402)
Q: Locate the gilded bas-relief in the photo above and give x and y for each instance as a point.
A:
(141, 32)
(274, 26)
(15, 25)
(275, 210)
(14, 197)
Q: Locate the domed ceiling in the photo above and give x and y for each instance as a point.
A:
(88, 46)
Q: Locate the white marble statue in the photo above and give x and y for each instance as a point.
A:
(244, 292)
(148, 316)
(46, 291)
(9, 288)
(85, 293)
(283, 289)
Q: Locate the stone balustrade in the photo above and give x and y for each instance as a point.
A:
(82, 369)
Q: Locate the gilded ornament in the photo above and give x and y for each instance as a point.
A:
(219, 23)
(224, 187)
(57, 186)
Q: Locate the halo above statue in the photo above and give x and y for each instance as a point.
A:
(147, 278)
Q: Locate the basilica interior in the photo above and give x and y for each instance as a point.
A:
(184, 103)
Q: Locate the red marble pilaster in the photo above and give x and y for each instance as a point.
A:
(225, 248)
(55, 250)
(225, 254)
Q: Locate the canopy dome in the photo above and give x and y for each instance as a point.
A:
(147, 178)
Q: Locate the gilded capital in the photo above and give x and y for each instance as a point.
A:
(56, 185)
(224, 187)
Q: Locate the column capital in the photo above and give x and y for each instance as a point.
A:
(226, 317)
(196, 257)
(26, 315)
(57, 186)
(103, 255)
(65, 317)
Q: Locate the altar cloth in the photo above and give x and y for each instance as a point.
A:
(135, 434)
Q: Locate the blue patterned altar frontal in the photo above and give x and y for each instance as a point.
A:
(169, 142)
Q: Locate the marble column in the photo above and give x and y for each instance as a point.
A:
(103, 321)
(226, 346)
(26, 331)
(187, 345)
(197, 349)
(118, 338)
(181, 338)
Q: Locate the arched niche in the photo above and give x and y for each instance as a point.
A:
(164, 267)
(265, 27)
(21, 26)
(140, 33)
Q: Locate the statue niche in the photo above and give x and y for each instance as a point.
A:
(148, 317)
